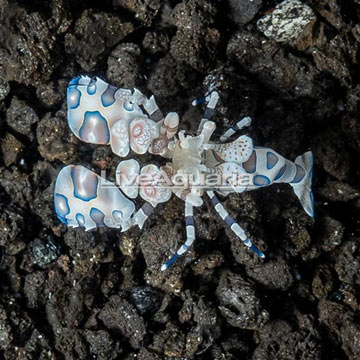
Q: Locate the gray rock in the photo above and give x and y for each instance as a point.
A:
(243, 11)
(54, 138)
(348, 262)
(42, 253)
(195, 42)
(239, 303)
(4, 89)
(333, 190)
(28, 41)
(146, 299)
(93, 34)
(12, 225)
(52, 92)
(101, 346)
(275, 274)
(287, 22)
(79, 240)
(11, 148)
(120, 315)
(144, 10)
(342, 326)
(283, 72)
(123, 65)
(20, 117)
(156, 42)
(333, 154)
(193, 14)
(5, 331)
(168, 77)
(279, 340)
(33, 289)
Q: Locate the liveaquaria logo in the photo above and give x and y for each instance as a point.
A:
(162, 179)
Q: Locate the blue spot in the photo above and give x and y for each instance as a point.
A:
(74, 81)
(280, 173)
(73, 97)
(95, 128)
(229, 221)
(171, 261)
(312, 203)
(312, 167)
(257, 251)
(128, 106)
(91, 89)
(108, 96)
(247, 242)
(62, 207)
(80, 219)
(98, 216)
(85, 189)
(250, 164)
(200, 101)
(300, 173)
(214, 200)
(189, 221)
(271, 160)
(71, 119)
(261, 180)
(184, 248)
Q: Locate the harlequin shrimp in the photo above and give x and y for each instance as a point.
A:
(100, 113)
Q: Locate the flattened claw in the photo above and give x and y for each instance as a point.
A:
(84, 199)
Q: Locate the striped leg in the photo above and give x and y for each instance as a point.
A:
(207, 130)
(188, 196)
(143, 214)
(232, 224)
(152, 109)
(190, 236)
(211, 101)
(170, 125)
(246, 121)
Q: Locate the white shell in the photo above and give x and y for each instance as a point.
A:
(119, 138)
(142, 132)
(151, 190)
(82, 198)
(94, 107)
(126, 177)
(237, 151)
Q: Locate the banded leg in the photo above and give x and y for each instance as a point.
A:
(170, 125)
(232, 224)
(190, 236)
(207, 131)
(246, 121)
(189, 196)
(211, 101)
(151, 107)
(142, 215)
(167, 126)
